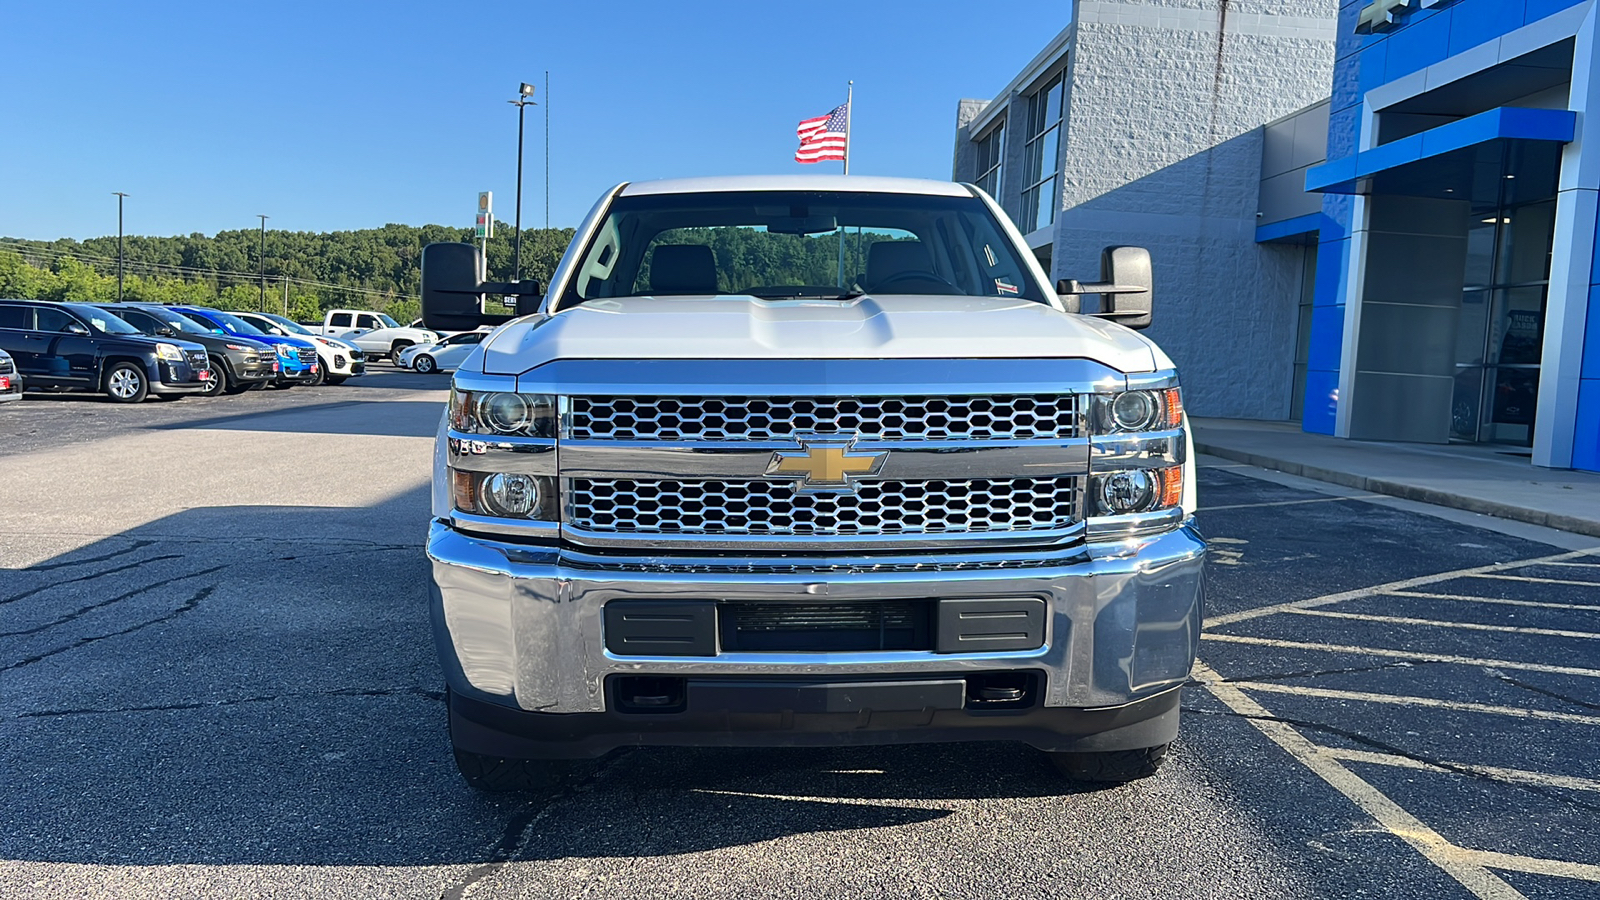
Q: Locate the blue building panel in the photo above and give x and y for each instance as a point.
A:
(1591, 337)
(1586, 437)
(1421, 42)
(1538, 9)
(1299, 226)
(1327, 338)
(1321, 402)
(1474, 22)
(1333, 263)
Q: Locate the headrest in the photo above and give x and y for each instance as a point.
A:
(683, 269)
(889, 258)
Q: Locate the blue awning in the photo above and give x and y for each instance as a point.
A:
(1443, 159)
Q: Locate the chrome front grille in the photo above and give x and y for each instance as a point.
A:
(763, 508)
(5, 365)
(308, 356)
(899, 419)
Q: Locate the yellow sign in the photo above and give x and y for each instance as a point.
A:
(825, 465)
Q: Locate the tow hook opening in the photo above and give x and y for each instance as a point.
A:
(1002, 690)
(649, 694)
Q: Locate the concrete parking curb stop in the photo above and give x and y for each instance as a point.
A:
(1465, 480)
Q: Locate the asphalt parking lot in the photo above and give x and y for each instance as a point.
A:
(217, 680)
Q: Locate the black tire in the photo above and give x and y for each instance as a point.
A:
(1111, 765)
(394, 351)
(424, 364)
(221, 383)
(126, 383)
(321, 376)
(334, 379)
(497, 775)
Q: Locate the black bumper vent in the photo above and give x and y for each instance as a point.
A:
(819, 627)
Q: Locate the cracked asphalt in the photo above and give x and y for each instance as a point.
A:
(217, 680)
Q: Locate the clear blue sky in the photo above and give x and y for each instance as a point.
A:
(330, 116)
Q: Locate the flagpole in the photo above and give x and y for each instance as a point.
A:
(849, 110)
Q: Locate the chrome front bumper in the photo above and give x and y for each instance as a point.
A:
(520, 626)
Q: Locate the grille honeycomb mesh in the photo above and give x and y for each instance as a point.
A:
(1001, 417)
(875, 508)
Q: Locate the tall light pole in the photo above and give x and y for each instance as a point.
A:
(120, 195)
(522, 103)
(262, 262)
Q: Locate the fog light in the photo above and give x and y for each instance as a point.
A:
(1128, 492)
(514, 496)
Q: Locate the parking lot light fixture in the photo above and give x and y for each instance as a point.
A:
(262, 262)
(120, 196)
(523, 101)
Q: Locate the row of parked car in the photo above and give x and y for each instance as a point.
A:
(131, 351)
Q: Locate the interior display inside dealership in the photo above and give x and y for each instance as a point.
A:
(1420, 262)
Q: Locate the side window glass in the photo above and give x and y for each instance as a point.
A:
(369, 322)
(340, 320)
(53, 320)
(14, 316)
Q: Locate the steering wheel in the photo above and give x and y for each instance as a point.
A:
(911, 275)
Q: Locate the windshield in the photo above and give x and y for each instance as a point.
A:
(104, 321)
(387, 322)
(285, 324)
(227, 322)
(791, 244)
(178, 322)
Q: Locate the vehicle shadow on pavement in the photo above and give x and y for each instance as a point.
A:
(257, 685)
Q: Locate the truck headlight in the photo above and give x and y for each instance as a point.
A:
(169, 352)
(502, 412)
(504, 495)
(1136, 491)
(1130, 411)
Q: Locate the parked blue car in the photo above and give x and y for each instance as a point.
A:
(297, 356)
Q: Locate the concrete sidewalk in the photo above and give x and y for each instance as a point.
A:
(1477, 478)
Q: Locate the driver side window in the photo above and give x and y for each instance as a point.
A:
(370, 323)
(53, 319)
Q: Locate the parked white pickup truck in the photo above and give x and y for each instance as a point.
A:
(810, 461)
(374, 332)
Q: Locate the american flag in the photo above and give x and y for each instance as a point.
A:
(824, 137)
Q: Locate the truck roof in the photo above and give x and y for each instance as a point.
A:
(862, 183)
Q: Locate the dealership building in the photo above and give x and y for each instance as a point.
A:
(1374, 218)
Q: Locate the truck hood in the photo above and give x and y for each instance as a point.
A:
(745, 327)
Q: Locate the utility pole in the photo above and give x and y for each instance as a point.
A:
(262, 262)
(521, 103)
(547, 148)
(120, 195)
(286, 296)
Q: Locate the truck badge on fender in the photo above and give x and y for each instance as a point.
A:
(825, 464)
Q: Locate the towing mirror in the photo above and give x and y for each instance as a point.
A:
(452, 295)
(1126, 287)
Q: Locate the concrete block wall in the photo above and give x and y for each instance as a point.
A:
(1163, 149)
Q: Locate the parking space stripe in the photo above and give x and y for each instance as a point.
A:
(1452, 860)
(1534, 865)
(1579, 565)
(1288, 502)
(1435, 623)
(1512, 776)
(1411, 655)
(1329, 599)
(1515, 712)
(1469, 598)
(1534, 580)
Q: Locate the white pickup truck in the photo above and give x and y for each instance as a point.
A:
(810, 461)
(374, 332)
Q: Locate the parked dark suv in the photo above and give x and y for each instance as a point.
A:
(75, 346)
(238, 362)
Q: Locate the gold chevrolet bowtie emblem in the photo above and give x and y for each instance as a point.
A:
(824, 464)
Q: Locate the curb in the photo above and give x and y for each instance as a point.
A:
(1588, 527)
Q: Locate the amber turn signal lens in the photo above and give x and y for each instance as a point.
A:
(1174, 407)
(1171, 486)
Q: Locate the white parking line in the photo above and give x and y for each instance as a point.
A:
(1472, 874)
(1590, 584)
(1435, 623)
(1496, 600)
(1287, 502)
(1533, 865)
(1409, 655)
(1329, 599)
(1511, 776)
(1580, 565)
(1515, 712)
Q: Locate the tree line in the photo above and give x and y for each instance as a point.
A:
(306, 272)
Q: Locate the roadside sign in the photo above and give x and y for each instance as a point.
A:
(485, 220)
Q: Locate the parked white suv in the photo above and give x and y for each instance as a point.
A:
(374, 332)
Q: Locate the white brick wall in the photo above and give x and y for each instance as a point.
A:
(1163, 150)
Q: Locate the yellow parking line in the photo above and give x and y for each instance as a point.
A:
(1515, 712)
(1534, 865)
(1329, 599)
(1452, 860)
(1511, 776)
(1471, 626)
(1530, 578)
(1496, 600)
(1409, 655)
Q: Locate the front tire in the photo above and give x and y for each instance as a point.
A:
(1111, 766)
(394, 351)
(424, 364)
(126, 383)
(220, 383)
(498, 775)
(320, 377)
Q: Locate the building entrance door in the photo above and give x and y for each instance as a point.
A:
(1500, 333)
